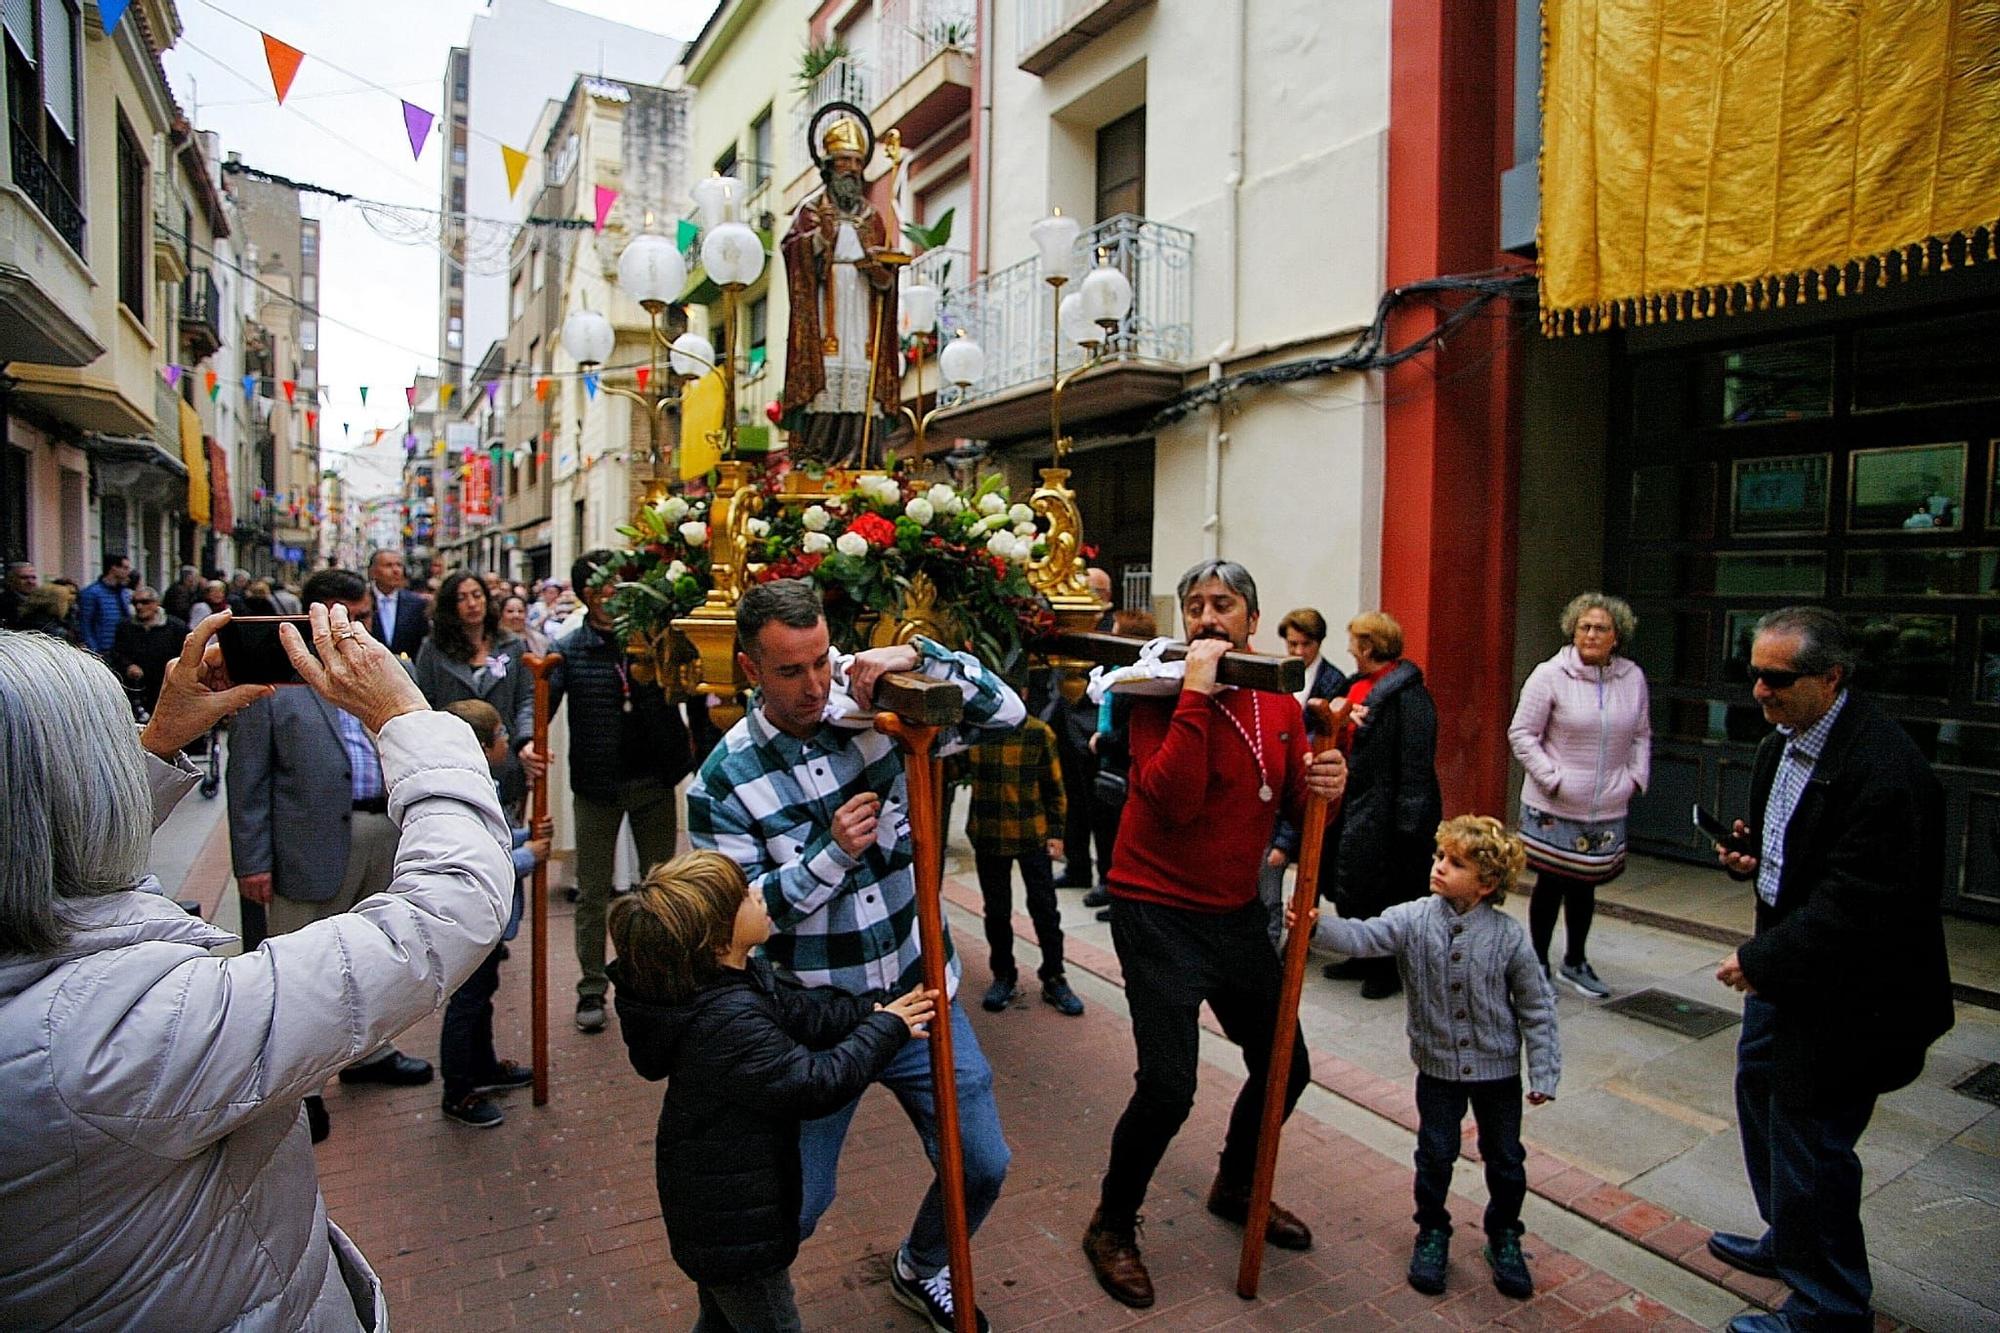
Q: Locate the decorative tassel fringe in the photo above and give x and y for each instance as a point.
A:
(1974, 245)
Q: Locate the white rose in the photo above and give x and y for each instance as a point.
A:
(955, 505)
(757, 527)
(920, 510)
(852, 544)
(1027, 530)
(1020, 514)
(816, 543)
(673, 509)
(694, 534)
(816, 518)
(941, 496)
(992, 503)
(676, 570)
(1001, 544)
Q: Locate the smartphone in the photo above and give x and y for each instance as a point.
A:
(253, 654)
(1742, 844)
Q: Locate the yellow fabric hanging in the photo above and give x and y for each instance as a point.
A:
(194, 452)
(1689, 145)
(701, 417)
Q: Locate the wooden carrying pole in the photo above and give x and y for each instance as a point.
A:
(1250, 671)
(920, 705)
(539, 665)
(1326, 724)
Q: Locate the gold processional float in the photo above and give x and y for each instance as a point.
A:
(893, 554)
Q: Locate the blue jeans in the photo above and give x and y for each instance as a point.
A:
(1798, 1148)
(909, 1078)
(1496, 1109)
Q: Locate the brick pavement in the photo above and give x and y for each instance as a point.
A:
(552, 1219)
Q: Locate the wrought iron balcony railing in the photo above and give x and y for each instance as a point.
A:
(41, 183)
(912, 32)
(845, 80)
(201, 308)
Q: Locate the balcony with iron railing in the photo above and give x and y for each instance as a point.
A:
(201, 315)
(844, 80)
(923, 66)
(40, 181)
(170, 228)
(1011, 312)
(1048, 32)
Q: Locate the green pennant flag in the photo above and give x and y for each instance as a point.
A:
(684, 234)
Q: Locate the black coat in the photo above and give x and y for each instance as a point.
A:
(746, 1059)
(1852, 953)
(607, 744)
(1378, 853)
(150, 648)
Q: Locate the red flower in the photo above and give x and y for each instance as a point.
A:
(874, 529)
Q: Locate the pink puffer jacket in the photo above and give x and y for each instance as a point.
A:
(1583, 735)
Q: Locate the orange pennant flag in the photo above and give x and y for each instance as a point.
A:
(541, 391)
(517, 162)
(284, 62)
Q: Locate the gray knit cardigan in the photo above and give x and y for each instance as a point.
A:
(1475, 989)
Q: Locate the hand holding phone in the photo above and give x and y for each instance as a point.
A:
(1734, 840)
(255, 655)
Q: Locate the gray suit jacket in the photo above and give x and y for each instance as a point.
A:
(291, 796)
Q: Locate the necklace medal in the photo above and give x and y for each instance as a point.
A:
(1254, 739)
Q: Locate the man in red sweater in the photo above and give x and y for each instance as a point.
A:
(1210, 771)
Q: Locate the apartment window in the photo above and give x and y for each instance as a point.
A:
(1121, 166)
(458, 154)
(458, 195)
(309, 241)
(309, 335)
(726, 164)
(759, 321)
(454, 332)
(760, 146)
(537, 268)
(309, 289)
(134, 221)
(42, 39)
(517, 297)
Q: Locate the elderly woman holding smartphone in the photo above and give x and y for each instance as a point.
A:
(154, 1164)
(1582, 734)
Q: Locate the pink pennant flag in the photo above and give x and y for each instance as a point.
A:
(492, 388)
(173, 375)
(411, 394)
(606, 196)
(417, 122)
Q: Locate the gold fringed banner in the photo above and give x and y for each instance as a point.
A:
(1694, 146)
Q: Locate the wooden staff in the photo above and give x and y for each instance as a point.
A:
(919, 706)
(1249, 671)
(1327, 724)
(539, 665)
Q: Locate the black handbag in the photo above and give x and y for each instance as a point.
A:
(1108, 789)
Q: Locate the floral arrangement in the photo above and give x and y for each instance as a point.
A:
(865, 548)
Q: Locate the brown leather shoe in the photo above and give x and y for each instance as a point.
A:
(1114, 1256)
(1282, 1228)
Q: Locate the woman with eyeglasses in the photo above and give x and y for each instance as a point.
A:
(1582, 734)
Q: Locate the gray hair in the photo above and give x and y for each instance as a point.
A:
(1234, 577)
(76, 814)
(1825, 641)
(1623, 623)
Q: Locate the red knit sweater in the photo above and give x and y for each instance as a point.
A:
(1193, 834)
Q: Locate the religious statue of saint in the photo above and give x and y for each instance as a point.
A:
(842, 360)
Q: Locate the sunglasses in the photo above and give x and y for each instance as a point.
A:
(1777, 680)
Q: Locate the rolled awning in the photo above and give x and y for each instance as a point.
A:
(195, 456)
(1704, 157)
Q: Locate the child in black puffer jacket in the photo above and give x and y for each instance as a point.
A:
(747, 1055)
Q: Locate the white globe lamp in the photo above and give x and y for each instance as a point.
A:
(587, 337)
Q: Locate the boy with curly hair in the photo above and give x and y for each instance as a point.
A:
(1476, 994)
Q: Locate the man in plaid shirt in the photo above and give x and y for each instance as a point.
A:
(1017, 805)
(817, 816)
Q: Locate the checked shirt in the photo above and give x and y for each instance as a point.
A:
(1017, 792)
(1795, 769)
(766, 800)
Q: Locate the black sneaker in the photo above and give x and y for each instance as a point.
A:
(1429, 1259)
(1510, 1268)
(506, 1075)
(1056, 991)
(1002, 990)
(474, 1110)
(931, 1298)
(590, 1013)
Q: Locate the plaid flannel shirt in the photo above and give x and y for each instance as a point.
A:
(1017, 791)
(766, 800)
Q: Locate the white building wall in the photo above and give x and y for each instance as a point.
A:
(524, 52)
(1300, 501)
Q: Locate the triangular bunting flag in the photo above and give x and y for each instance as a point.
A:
(541, 391)
(249, 386)
(685, 233)
(312, 420)
(517, 162)
(208, 382)
(364, 395)
(411, 394)
(109, 12)
(492, 389)
(284, 62)
(444, 394)
(590, 383)
(606, 196)
(291, 389)
(642, 374)
(417, 121)
(345, 427)
(172, 374)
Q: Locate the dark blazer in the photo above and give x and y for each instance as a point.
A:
(1378, 853)
(1328, 682)
(746, 1059)
(444, 680)
(291, 795)
(413, 624)
(1852, 953)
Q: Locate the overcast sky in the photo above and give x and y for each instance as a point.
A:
(378, 297)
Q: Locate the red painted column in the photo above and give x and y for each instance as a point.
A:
(1448, 522)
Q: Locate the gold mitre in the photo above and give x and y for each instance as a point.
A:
(843, 136)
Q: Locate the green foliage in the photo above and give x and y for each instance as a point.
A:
(815, 60)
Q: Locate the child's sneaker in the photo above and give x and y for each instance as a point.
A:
(474, 1110)
(930, 1297)
(505, 1077)
(1429, 1259)
(1510, 1268)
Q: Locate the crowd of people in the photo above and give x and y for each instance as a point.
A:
(379, 847)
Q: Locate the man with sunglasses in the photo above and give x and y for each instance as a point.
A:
(1845, 981)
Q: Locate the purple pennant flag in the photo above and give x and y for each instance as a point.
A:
(418, 122)
(172, 372)
(492, 388)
